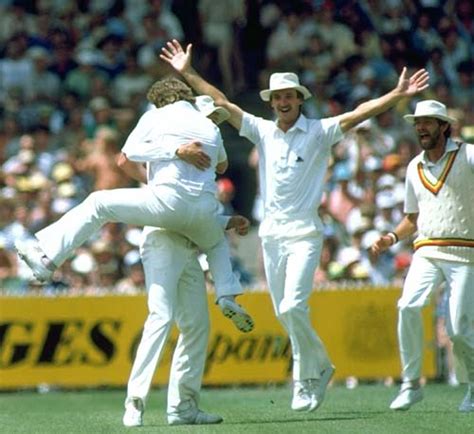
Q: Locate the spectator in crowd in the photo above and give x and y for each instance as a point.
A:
(294, 153)
(134, 280)
(101, 163)
(44, 86)
(100, 115)
(80, 79)
(220, 20)
(111, 57)
(286, 43)
(225, 194)
(10, 282)
(131, 84)
(440, 181)
(16, 69)
(107, 265)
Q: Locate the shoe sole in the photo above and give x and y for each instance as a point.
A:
(21, 250)
(305, 408)
(243, 321)
(326, 376)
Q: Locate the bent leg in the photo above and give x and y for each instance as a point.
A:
(137, 206)
(225, 281)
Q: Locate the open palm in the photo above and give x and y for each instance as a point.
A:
(174, 54)
(415, 84)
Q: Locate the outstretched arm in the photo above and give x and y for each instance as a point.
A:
(180, 61)
(406, 87)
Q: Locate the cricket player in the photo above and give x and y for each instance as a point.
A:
(439, 197)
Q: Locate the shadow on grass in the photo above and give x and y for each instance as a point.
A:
(308, 418)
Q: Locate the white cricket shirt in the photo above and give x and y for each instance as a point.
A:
(292, 166)
(160, 132)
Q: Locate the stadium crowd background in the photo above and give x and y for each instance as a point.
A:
(73, 79)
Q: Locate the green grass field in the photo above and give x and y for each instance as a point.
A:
(362, 410)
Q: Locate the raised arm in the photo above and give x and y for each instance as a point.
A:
(406, 87)
(180, 61)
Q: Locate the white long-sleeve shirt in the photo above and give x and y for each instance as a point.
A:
(160, 132)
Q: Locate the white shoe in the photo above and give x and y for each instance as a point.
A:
(35, 258)
(194, 417)
(407, 396)
(319, 387)
(467, 404)
(308, 395)
(133, 415)
(301, 395)
(239, 316)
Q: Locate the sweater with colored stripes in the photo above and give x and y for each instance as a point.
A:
(445, 204)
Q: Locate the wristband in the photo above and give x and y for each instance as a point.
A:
(394, 237)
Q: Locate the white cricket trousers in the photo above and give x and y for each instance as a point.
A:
(289, 266)
(176, 294)
(195, 217)
(424, 277)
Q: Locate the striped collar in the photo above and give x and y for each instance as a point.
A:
(451, 146)
(452, 149)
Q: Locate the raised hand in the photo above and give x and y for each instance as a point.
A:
(174, 55)
(417, 83)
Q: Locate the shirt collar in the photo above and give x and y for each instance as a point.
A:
(300, 124)
(451, 146)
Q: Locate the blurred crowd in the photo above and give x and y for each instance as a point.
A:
(73, 79)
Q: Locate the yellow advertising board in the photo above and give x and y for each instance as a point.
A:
(90, 341)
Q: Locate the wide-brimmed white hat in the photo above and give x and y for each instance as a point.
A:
(205, 105)
(430, 109)
(284, 80)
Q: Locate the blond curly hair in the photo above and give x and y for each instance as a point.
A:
(169, 90)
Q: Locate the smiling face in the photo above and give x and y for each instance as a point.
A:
(286, 104)
(430, 133)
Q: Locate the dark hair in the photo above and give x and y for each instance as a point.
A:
(169, 90)
(447, 133)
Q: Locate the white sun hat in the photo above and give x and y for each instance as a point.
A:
(430, 109)
(284, 80)
(205, 105)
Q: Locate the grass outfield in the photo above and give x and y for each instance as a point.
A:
(362, 410)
